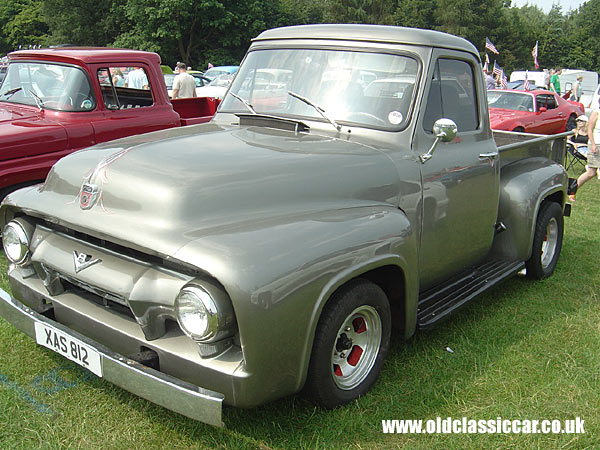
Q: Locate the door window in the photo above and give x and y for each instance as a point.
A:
(125, 87)
(452, 95)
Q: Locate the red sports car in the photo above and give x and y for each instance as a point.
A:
(540, 111)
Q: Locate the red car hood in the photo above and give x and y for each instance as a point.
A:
(27, 132)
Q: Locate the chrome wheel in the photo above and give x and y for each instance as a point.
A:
(549, 243)
(356, 347)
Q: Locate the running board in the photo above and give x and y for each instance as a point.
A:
(437, 303)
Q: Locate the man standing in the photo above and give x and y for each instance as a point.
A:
(137, 79)
(184, 85)
(555, 81)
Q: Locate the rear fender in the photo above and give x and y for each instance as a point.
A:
(524, 185)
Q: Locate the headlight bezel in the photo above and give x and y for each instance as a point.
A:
(205, 305)
(23, 232)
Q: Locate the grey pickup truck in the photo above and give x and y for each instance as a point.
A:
(349, 187)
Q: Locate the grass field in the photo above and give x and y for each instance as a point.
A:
(525, 350)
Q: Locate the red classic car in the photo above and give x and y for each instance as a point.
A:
(540, 111)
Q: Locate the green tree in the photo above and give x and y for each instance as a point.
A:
(416, 13)
(197, 32)
(301, 12)
(83, 22)
(22, 24)
(583, 34)
(360, 11)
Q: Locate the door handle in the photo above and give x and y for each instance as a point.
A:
(492, 155)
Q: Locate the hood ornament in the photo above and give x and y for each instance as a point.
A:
(83, 261)
(88, 196)
(91, 193)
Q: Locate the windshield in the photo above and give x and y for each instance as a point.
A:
(370, 89)
(48, 86)
(510, 100)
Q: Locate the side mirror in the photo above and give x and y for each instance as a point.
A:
(444, 130)
(543, 109)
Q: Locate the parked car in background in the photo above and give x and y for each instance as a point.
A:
(216, 88)
(201, 80)
(220, 70)
(56, 101)
(540, 112)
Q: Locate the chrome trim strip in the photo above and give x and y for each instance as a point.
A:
(174, 394)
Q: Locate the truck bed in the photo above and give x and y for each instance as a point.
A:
(515, 146)
(195, 110)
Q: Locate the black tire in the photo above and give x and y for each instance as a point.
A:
(353, 335)
(519, 130)
(571, 123)
(547, 241)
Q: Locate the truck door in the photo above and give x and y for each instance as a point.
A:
(130, 103)
(460, 183)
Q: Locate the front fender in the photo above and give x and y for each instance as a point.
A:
(279, 276)
(524, 184)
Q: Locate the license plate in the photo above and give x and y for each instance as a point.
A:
(69, 347)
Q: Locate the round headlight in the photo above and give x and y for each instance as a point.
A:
(197, 313)
(15, 242)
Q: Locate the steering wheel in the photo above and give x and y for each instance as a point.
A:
(522, 108)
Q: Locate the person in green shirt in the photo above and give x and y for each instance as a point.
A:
(555, 81)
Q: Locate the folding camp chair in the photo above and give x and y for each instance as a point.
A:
(574, 158)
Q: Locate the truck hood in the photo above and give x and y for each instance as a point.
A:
(26, 132)
(164, 189)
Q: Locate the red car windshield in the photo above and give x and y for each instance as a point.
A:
(515, 101)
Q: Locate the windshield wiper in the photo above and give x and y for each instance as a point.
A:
(10, 92)
(244, 102)
(38, 100)
(318, 108)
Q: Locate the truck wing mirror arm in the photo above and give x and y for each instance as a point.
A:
(445, 130)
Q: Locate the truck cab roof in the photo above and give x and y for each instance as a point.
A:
(370, 33)
(87, 55)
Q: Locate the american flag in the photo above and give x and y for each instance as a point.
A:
(534, 53)
(526, 85)
(497, 69)
(490, 46)
(503, 80)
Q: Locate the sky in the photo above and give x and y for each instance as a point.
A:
(546, 5)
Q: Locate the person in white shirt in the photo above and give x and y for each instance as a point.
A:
(184, 85)
(137, 79)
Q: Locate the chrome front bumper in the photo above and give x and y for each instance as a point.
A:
(174, 394)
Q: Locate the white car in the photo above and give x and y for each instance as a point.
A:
(216, 88)
(199, 78)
